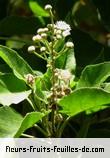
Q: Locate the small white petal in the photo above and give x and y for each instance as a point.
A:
(62, 25)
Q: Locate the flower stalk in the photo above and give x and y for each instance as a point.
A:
(46, 41)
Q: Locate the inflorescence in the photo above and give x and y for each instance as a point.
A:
(44, 46)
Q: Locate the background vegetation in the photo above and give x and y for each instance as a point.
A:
(90, 23)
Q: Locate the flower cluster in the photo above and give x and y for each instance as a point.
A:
(45, 42)
(62, 83)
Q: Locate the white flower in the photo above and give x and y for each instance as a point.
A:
(31, 49)
(69, 45)
(48, 7)
(65, 33)
(43, 49)
(62, 25)
(65, 75)
(37, 38)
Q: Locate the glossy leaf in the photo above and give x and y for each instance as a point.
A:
(15, 62)
(12, 90)
(94, 75)
(84, 99)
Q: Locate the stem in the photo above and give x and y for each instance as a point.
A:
(63, 51)
(38, 55)
(41, 130)
(84, 129)
(53, 77)
(60, 131)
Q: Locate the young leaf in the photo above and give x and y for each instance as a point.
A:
(13, 124)
(15, 62)
(84, 99)
(94, 75)
(12, 90)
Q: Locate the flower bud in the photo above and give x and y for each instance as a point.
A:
(56, 74)
(58, 31)
(58, 36)
(63, 93)
(48, 66)
(31, 49)
(37, 38)
(41, 30)
(46, 29)
(43, 49)
(69, 45)
(48, 7)
(51, 25)
(43, 35)
(29, 78)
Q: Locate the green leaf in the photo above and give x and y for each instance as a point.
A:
(29, 120)
(94, 75)
(37, 9)
(67, 61)
(10, 121)
(12, 90)
(84, 99)
(42, 86)
(39, 90)
(13, 124)
(15, 62)
(4, 68)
